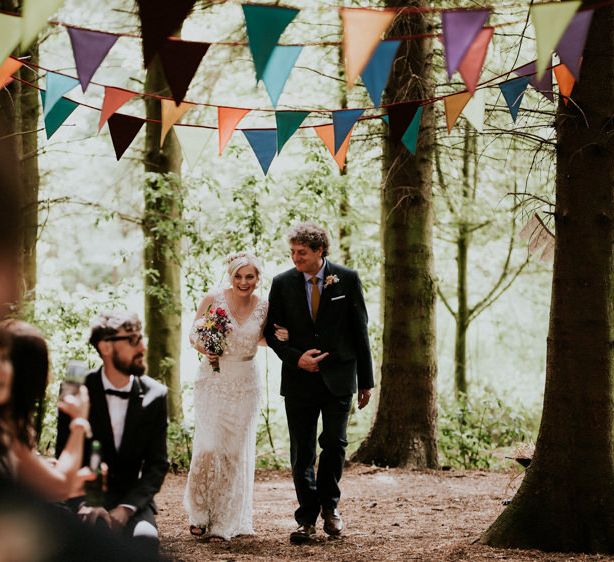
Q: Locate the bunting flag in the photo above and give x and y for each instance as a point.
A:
(550, 21)
(470, 67)
(327, 134)
(400, 116)
(159, 20)
(123, 129)
(530, 228)
(265, 25)
(114, 98)
(565, 79)
(264, 145)
(474, 111)
(539, 237)
(10, 32)
(543, 85)
(34, 16)
(287, 124)
(571, 45)
(343, 122)
(180, 60)
(193, 141)
(362, 31)
(513, 92)
(538, 240)
(7, 69)
(454, 105)
(548, 254)
(57, 86)
(281, 63)
(60, 112)
(375, 75)
(89, 49)
(460, 28)
(410, 138)
(227, 120)
(171, 114)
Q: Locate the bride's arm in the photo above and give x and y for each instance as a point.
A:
(202, 309)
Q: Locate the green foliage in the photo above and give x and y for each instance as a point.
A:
(179, 442)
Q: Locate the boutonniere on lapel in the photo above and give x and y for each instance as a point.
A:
(330, 280)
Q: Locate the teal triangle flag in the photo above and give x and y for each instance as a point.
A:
(343, 121)
(60, 112)
(57, 86)
(513, 92)
(265, 24)
(375, 74)
(278, 69)
(287, 123)
(410, 137)
(264, 145)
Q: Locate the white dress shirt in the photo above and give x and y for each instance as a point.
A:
(118, 407)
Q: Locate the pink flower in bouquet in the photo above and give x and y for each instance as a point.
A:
(212, 330)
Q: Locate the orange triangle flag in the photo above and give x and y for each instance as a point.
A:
(470, 67)
(7, 69)
(327, 134)
(171, 113)
(565, 80)
(454, 106)
(227, 119)
(362, 31)
(114, 98)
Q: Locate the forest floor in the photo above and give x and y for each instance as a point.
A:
(389, 515)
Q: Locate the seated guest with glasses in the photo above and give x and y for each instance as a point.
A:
(128, 417)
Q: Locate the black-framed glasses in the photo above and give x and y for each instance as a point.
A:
(132, 339)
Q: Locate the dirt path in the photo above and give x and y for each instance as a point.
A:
(389, 514)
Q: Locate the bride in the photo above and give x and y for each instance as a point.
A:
(219, 492)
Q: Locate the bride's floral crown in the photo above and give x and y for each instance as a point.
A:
(237, 260)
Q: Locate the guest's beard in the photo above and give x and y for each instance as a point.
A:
(132, 368)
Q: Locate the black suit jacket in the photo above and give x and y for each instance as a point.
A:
(340, 328)
(137, 470)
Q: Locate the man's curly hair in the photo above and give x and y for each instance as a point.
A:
(310, 234)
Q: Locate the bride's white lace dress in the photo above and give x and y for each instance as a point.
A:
(220, 486)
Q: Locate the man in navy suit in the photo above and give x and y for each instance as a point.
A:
(326, 359)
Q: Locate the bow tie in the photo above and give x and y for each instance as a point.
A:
(119, 393)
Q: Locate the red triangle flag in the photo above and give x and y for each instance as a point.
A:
(565, 80)
(327, 134)
(470, 67)
(123, 129)
(227, 119)
(114, 98)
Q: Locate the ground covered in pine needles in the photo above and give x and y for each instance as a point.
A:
(389, 515)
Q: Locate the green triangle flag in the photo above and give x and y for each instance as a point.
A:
(287, 123)
(265, 24)
(410, 137)
(550, 22)
(60, 112)
(34, 15)
(10, 31)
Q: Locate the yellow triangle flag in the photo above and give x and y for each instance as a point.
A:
(550, 22)
(454, 104)
(171, 114)
(362, 31)
(474, 110)
(34, 16)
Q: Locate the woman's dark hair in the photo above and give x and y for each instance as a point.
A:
(5, 423)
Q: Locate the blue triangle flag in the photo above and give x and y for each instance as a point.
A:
(57, 86)
(60, 112)
(278, 69)
(376, 73)
(264, 145)
(513, 92)
(287, 123)
(343, 121)
(410, 138)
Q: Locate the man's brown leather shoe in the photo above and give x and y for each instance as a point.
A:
(333, 524)
(303, 534)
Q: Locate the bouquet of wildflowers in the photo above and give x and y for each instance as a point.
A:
(211, 330)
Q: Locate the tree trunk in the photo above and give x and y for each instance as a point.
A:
(566, 501)
(404, 431)
(345, 227)
(162, 247)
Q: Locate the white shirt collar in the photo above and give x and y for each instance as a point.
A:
(319, 274)
(106, 383)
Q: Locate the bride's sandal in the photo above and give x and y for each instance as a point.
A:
(197, 531)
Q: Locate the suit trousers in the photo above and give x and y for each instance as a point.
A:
(321, 491)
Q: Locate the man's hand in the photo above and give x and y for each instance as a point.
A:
(120, 515)
(310, 359)
(90, 515)
(364, 395)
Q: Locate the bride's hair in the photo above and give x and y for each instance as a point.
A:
(237, 260)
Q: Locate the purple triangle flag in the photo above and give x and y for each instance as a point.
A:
(400, 116)
(571, 45)
(375, 74)
(544, 86)
(89, 49)
(343, 121)
(180, 60)
(123, 129)
(264, 145)
(460, 28)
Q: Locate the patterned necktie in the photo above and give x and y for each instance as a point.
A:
(315, 297)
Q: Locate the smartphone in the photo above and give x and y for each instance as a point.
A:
(76, 371)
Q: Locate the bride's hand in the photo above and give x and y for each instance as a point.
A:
(213, 358)
(281, 333)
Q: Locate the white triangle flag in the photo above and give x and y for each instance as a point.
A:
(474, 110)
(193, 141)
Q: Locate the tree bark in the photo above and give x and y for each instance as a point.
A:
(566, 501)
(162, 246)
(404, 430)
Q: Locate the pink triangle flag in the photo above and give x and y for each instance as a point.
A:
(327, 134)
(471, 66)
(227, 120)
(114, 98)
(460, 28)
